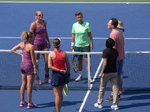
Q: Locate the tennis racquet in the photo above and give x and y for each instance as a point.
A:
(65, 90)
(36, 79)
(74, 63)
(36, 82)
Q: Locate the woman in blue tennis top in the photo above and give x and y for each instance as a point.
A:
(59, 63)
(27, 67)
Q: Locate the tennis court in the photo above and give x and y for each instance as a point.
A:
(16, 17)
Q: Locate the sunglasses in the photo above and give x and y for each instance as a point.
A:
(40, 15)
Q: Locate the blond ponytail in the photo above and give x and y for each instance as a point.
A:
(26, 35)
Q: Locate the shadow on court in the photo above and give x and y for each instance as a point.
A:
(52, 104)
(134, 105)
(139, 97)
(135, 92)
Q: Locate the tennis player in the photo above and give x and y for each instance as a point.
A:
(108, 73)
(27, 67)
(59, 63)
(41, 41)
(82, 41)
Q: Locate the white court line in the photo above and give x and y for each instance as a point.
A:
(70, 38)
(91, 85)
(79, 2)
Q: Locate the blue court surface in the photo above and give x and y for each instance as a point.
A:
(132, 101)
(17, 17)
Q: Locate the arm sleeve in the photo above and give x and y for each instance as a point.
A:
(104, 55)
(73, 30)
(89, 27)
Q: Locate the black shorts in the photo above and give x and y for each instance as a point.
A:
(82, 49)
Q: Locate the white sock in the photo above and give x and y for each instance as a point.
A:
(22, 101)
(29, 103)
(80, 73)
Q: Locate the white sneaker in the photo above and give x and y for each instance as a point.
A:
(115, 107)
(79, 78)
(98, 105)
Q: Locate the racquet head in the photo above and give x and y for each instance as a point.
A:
(36, 82)
(74, 64)
(65, 90)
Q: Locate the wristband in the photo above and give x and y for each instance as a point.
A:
(72, 43)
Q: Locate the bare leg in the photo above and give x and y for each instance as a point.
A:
(80, 63)
(86, 62)
(30, 79)
(58, 97)
(23, 87)
(45, 56)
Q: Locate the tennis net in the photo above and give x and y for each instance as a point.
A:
(11, 76)
(135, 71)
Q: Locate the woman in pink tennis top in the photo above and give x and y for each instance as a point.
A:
(27, 67)
(41, 41)
(59, 63)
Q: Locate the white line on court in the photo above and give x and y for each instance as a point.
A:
(88, 92)
(79, 2)
(101, 38)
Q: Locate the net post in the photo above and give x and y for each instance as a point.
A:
(89, 76)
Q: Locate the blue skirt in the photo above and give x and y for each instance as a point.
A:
(58, 79)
